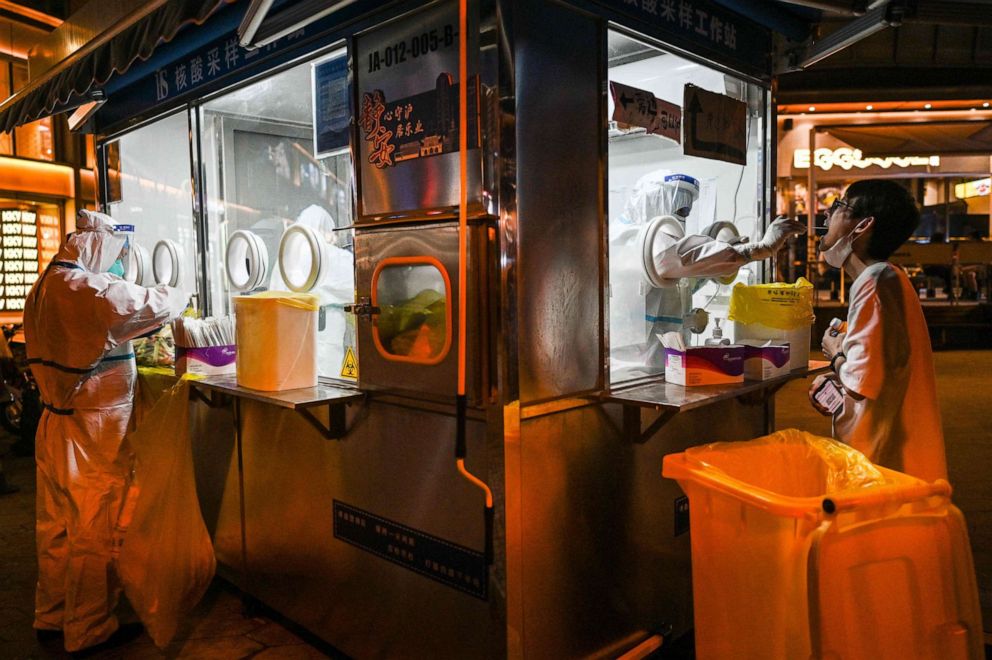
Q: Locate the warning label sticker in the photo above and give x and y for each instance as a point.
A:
(349, 368)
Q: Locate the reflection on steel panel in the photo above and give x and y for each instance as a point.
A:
(560, 146)
(600, 548)
(406, 75)
(396, 463)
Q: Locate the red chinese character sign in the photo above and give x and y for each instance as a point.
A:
(408, 151)
(715, 126)
(638, 107)
(419, 126)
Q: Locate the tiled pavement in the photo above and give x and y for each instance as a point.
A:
(217, 629)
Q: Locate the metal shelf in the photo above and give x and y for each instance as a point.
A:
(300, 400)
(670, 399)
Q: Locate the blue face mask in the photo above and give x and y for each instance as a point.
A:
(117, 268)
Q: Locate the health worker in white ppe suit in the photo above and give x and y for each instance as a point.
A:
(335, 287)
(79, 319)
(660, 205)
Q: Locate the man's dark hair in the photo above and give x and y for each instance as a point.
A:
(895, 213)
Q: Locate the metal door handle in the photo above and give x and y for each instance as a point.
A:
(363, 308)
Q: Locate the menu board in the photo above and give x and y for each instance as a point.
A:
(50, 238)
(21, 264)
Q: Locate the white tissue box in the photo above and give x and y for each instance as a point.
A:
(766, 361)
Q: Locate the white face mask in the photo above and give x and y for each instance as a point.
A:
(839, 252)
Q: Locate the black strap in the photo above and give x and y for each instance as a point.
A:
(67, 264)
(57, 411)
(833, 360)
(76, 370)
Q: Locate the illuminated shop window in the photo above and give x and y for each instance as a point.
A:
(6, 139)
(30, 236)
(34, 140)
(413, 297)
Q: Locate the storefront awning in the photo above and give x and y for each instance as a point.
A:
(912, 139)
(68, 84)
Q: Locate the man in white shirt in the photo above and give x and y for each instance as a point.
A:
(882, 364)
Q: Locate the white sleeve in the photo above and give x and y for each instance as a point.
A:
(131, 310)
(698, 256)
(863, 369)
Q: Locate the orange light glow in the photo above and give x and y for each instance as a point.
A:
(34, 177)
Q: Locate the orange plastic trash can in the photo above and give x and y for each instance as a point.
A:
(802, 548)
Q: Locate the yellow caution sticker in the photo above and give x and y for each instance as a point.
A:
(349, 368)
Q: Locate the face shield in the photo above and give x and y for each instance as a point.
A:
(678, 193)
(123, 265)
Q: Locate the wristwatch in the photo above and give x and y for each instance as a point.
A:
(833, 360)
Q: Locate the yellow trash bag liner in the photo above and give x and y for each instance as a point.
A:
(305, 301)
(777, 305)
(166, 560)
(823, 555)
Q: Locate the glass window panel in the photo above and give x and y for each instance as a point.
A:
(413, 316)
(261, 176)
(642, 187)
(156, 193)
(32, 140)
(6, 139)
(35, 140)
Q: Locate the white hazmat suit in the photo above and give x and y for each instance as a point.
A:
(335, 289)
(78, 323)
(655, 214)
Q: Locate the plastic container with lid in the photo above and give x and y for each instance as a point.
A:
(802, 548)
(277, 340)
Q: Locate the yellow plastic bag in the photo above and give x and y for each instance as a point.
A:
(791, 463)
(777, 305)
(166, 559)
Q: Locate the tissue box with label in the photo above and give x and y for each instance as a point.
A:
(206, 360)
(704, 365)
(766, 361)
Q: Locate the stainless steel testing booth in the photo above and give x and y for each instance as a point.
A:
(478, 473)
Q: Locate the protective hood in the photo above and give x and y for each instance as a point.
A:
(317, 218)
(93, 246)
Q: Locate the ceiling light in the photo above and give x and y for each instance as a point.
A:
(985, 105)
(927, 106)
(812, 108)
(869, 107)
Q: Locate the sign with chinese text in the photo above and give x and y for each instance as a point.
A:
(701, 27)
(638, 107)
(450, 564)
(331, 110)
(715, 126)
(407, 154)
(19, 230)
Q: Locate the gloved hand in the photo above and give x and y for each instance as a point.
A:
(778, 232)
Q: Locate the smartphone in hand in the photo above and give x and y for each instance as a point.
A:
(829, 396)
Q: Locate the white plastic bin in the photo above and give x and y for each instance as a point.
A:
(277, 340)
